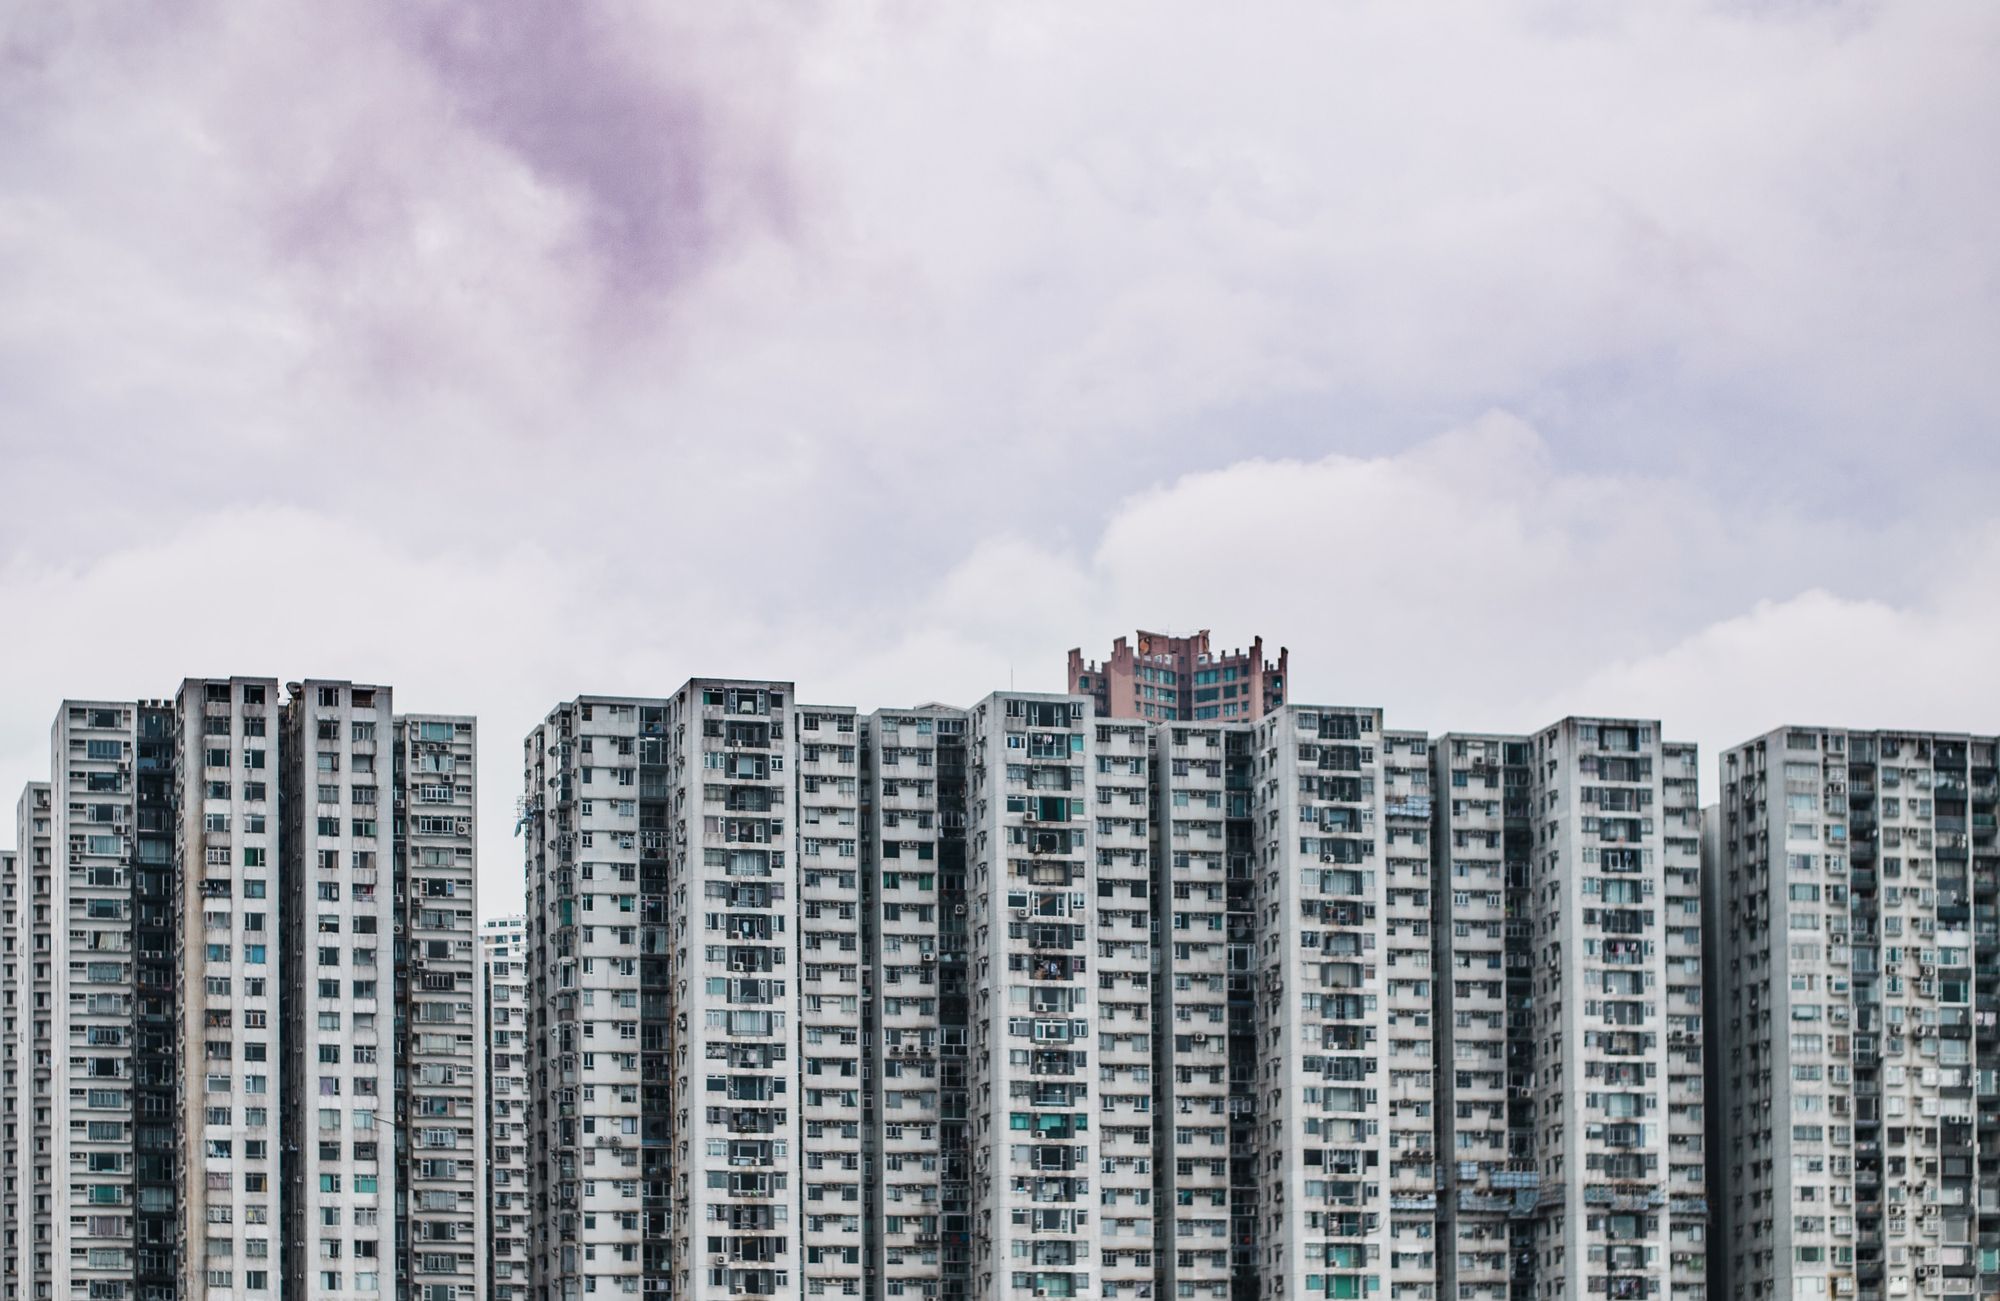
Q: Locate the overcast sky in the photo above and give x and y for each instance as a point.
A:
(1502, 361)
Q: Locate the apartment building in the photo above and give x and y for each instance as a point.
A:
(156, 1042)
(1488, 1180)
(340, 1120)
(33, 1023)
(829, 927)
(1049, 1003)
(999, 1089)
(101, 1181)
(93, 993)
(731, 996)
(664, 1137)
(111, 1194)
(913, 890)
(208, 1036)
(442, 1105)
(228, 957)
(1569, 995)
(1206, 1044)
(1617, 1046)
(10, 1074)
(1163, 678)
(1407, 978)
(1033, 1047)
(835, 1102)
(1852, 922)
(1328, 1062)
(503, 957)
(1118, 879)
(1689, 1207)
(593, 1206)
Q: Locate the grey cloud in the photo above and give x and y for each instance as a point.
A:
(876, 346)
(620, 117)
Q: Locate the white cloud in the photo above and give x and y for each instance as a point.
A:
(898, 349)
(1469, 582)
(1467, 568)
(942, 248)
(1819, 659)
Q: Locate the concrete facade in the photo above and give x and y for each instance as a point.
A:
(1204, 864)
(912, 936)
(835, 1101)
(33, 1022)
(1853, 923)
(503, 957)
(216, 921)
(1611, 855)
(1086, 1006)
(442, 1106)
(663, 910)
(342, 1129)
(10, 1074)
(1033, 1040)
(1012, 1000)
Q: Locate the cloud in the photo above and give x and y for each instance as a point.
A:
(1468, 582)
(1482, 354)
(285, 593)
(1821, 659)
(1464, 568)
(950, 251)
(1472, 582)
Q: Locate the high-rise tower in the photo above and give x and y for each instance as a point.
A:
(230, 979)
(1852, 920)
(1163, 678)
(503, 951)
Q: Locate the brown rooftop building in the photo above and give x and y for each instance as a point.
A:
(1166, 677)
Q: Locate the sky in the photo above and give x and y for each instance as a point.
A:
(1501, 360)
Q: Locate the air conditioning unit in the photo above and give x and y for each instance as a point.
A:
(927, 957)
(958, 910)
(1198, 1038)
(718, 1260)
